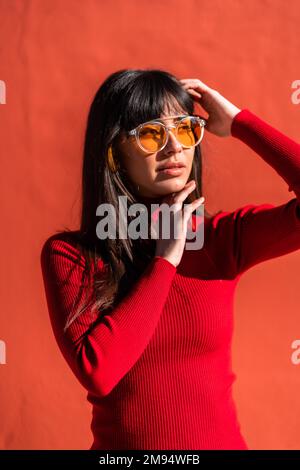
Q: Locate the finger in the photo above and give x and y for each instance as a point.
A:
(182, 195)
(195, 83)
(188, 209)
(194, 93)
(188, 86)
(191, 89)
(181, 218)
(186, 81)
(193, 205)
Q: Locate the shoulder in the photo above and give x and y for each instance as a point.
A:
(65, 251)
(63, 244)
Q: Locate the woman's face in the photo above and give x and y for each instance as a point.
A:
(143, 168)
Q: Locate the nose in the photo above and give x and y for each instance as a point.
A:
(172, 142)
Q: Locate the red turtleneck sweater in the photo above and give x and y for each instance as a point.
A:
(157, 368)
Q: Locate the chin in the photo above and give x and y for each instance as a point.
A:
(175, 184)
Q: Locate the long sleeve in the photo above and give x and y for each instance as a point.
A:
(279, 151)
(101, 352)
(255, 233)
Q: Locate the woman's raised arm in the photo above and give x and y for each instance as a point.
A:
(255, 232)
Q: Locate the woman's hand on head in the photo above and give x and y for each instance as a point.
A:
(221, 111)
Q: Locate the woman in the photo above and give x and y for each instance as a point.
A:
(145, 324)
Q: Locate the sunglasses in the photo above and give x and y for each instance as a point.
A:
(152, 136)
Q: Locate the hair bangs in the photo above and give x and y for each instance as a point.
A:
(152, 94)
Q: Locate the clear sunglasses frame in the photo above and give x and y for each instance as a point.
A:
(200, 119)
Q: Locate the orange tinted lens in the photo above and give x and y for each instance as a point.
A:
(152, 137)
(189, 132)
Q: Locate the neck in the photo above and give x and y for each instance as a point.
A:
(149, 200)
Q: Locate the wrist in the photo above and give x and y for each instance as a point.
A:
(233, 111)
(169, 260)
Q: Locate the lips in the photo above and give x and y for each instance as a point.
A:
(170, 165)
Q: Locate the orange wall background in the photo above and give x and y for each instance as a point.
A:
(53, 56)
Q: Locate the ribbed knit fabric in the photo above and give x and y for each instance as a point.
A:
(157, 368)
